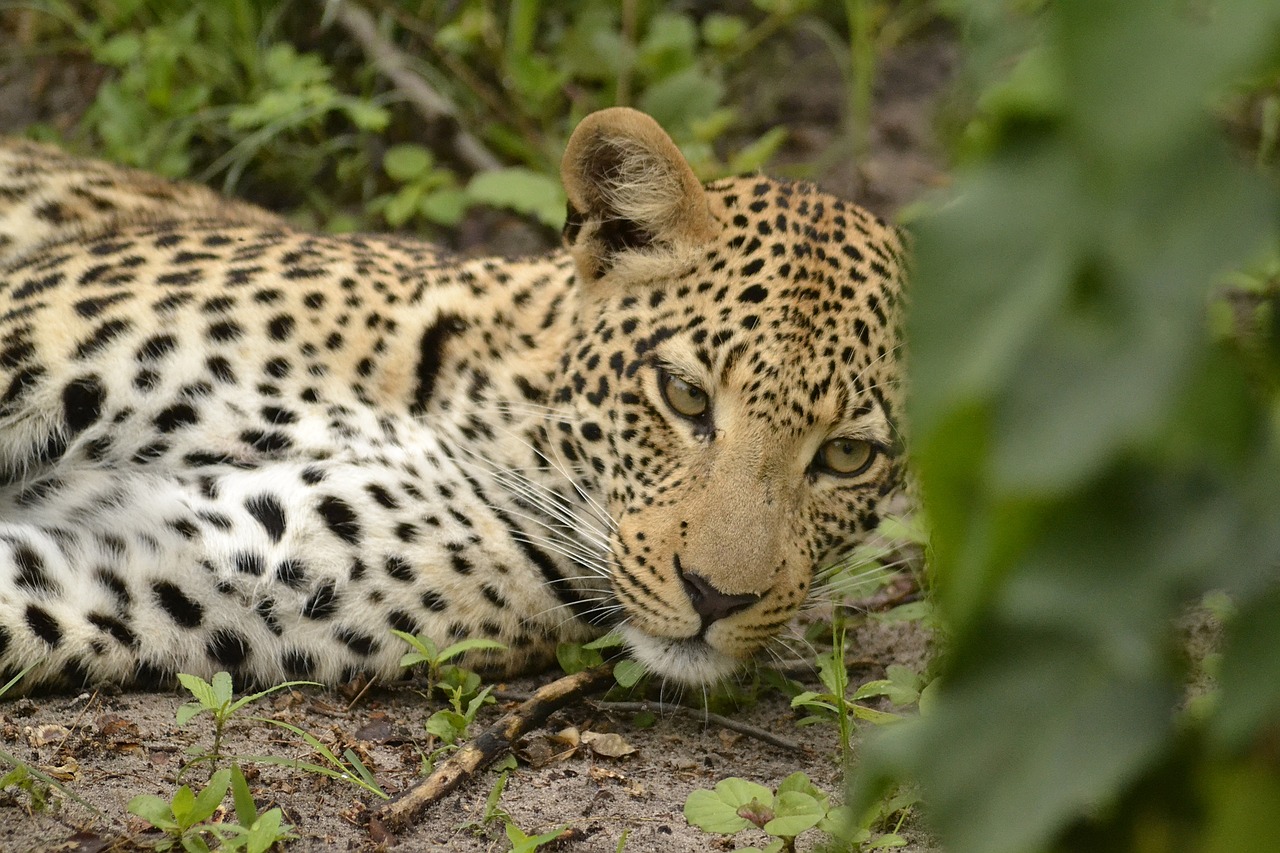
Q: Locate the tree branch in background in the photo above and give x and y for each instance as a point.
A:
(436, 109)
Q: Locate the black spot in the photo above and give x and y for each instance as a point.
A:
(176, 417)
(114, 585)
(402, 621)
(157, 347)
(221, 369)
(268, 512)
(152, 676)
(270, 441)
(340, 519)
(225, 331)
(591, 431)
(461, 565)
(101, 337)
(227, 648)
(43, 625)
(751, 268)
(399, 568)
(266, 610)
(280, 327)
(754, 293)
(292, 573)
(21, 383)
(361, 644)
(82, 402)
(184, 528)
(297, 663)
(249, 563)
(434, 601)
(357, 570)
(430, 353)
(382, 496)
(114, 627)
(322, 603)
(277, 368)
(181, 609)
(493, 596)
(31, 573)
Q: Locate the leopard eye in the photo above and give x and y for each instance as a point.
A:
(846, 456)
(686, 399)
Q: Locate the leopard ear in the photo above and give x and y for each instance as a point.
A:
(629, 189)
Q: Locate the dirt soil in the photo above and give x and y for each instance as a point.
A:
(108, 748)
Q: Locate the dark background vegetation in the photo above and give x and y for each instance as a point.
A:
(1095, 357)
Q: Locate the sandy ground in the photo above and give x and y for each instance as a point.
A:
(109, 748)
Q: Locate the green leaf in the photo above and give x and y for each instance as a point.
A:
(795, 811)
(182, 806)
(407, 162)
(201, 689)
(611, 640)
(628, 672)
(721, 30)
(521, 190)
(366, 116)
(222, 688)
(710, 812)
(575, 657)
(153, 810)
(188, 711)
(399, 210)
(470, 645)
(246, 808)
(446, 725)
(444, 207)
(208, 800)
(756, 155)
(677, 100)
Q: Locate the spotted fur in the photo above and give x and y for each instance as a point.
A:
(229, 444)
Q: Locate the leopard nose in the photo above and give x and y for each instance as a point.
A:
(710, 603)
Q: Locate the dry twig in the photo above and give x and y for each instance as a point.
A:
(434, 107)
(488, 746)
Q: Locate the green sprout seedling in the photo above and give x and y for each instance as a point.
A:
(218, 699)
(795, 808)
(575, 657)
(441, 673)
(186, 820)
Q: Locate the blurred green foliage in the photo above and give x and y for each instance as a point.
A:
(1093, 458)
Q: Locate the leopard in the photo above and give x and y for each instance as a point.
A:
(228, 443)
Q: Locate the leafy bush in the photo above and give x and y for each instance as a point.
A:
(1092, 459)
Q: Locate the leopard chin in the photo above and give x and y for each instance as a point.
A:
(688, 660)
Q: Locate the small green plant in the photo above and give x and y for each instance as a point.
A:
(523, 843)
(218, 699)
(575, 657)
(432, 193)
(22, 777)
(795, 808)
(441, 673)
(187, 819)
(452, 724)
(348, 768)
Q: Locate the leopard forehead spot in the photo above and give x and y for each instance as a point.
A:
(226, 444)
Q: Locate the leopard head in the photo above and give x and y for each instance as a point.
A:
(733, 384)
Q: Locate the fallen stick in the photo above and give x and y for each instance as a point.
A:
(434, 107)
(485, 748)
